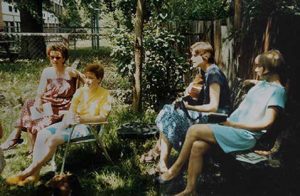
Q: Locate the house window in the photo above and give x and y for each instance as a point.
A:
(12, 27)
(16, 10)
(6, 27)
(18, 27)
(10, 8)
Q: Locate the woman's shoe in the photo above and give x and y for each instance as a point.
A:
(13, 180)
(29, 180)
(11, 144)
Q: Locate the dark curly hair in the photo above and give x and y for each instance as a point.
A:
(95, 68)
(60, 48)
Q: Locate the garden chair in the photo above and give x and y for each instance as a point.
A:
(97, 130)
(96, 135)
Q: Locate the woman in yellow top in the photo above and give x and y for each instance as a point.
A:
(90, 103)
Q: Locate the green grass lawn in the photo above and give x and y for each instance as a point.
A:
(18, 82)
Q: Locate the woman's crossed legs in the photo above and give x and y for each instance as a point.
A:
(198, 140)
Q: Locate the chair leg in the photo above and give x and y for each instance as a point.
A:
(64, 159)
(66, 151)
(53, 164)
(101, 145)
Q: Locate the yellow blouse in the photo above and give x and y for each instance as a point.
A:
(97, 102)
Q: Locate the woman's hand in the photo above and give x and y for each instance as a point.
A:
(227, 123)
(187, 106)
(38, 105)
(71, 118)
(177, 100)
(250, 82)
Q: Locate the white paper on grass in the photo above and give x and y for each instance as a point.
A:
(251, 157)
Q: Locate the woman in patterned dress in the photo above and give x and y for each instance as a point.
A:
(173, 123)
(56, 87)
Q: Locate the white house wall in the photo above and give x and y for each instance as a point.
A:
(11, 16)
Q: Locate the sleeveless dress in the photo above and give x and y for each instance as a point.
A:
(59, 92)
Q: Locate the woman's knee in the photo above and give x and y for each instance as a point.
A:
(42, 136)
(54, 141)
(194, 130)
(200, 147)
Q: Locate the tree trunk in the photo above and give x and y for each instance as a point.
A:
(266, 37)
(32, 22)
(237, 40)
(217, 42)
(138, 55)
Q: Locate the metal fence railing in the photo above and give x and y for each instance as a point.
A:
(33, 45)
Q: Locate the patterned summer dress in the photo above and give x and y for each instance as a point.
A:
(59, 93)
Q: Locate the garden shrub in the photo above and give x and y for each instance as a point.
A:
(163, 65)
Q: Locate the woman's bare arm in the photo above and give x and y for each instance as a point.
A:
(263, 124)
(41, 88)
(212, 106)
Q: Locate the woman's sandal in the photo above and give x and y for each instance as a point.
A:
(12, 144)
(149, 157)
(29, 180)
(13, 180)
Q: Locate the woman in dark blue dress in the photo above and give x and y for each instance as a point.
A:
(173, 123)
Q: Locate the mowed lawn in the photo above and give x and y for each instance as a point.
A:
(127, 176)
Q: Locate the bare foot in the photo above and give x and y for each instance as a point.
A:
(162, 167)
(168, 175)
(263, 152)
(187, 193)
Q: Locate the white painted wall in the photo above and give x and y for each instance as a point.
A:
(49, 18)
(11, 15)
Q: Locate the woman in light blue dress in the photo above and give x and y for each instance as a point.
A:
(246, 124)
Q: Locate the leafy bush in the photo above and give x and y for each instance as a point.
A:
(163, 64)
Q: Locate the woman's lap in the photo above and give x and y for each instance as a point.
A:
(26, 123)
(232, 139)
(80, 130)
(174, 124)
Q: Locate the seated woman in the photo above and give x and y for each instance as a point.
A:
(257, 112)
(57, 86)
(173, 123)
(90, 104)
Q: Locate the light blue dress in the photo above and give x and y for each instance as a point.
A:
(80, 130)
(251, 110)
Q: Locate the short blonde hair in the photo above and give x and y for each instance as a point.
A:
(201, 48)
(272, 60)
